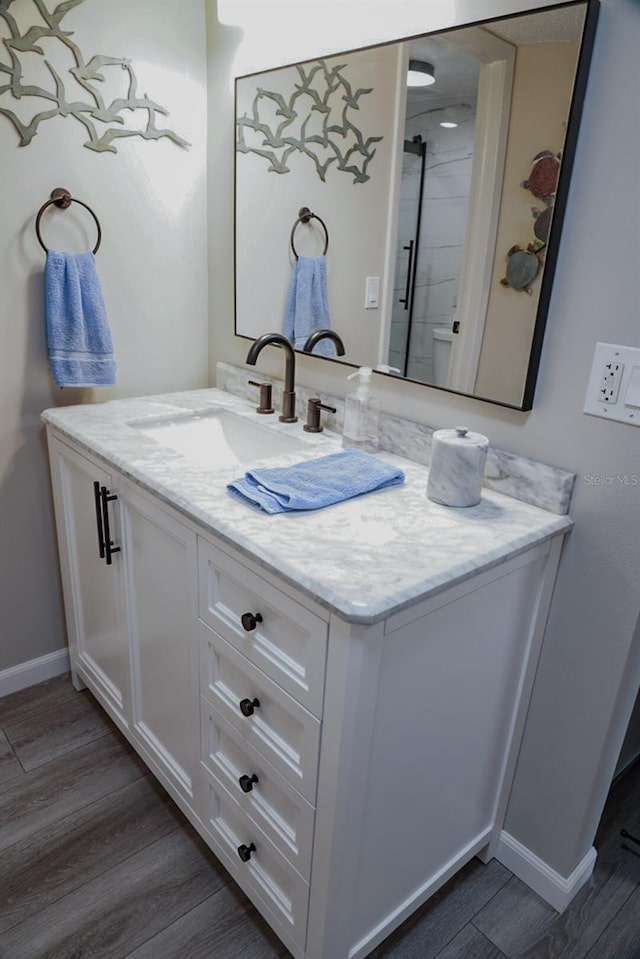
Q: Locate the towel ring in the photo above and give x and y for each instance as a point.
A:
(304, 215)
(63, 199)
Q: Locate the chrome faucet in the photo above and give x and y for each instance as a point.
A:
(318, 335)
(288, 395)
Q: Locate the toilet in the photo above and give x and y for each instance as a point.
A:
(442, 339)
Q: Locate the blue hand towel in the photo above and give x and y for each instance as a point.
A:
(315, 483)
(78, 335)
(307, 307)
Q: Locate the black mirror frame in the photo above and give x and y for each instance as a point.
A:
(568, 155)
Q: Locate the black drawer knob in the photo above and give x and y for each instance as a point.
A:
(247, 706)
(246, 782)
(250, 621)
(245, 851)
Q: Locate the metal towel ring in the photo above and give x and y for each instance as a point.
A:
(63, 199)
(304, 215)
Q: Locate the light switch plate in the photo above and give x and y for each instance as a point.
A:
(612, 391)
(371, 292)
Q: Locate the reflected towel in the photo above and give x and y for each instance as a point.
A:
(307, 307)
(315, 483)
(78, 335)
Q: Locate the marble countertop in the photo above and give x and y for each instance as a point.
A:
(362, 559)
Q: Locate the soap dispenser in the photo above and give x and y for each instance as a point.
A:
(361, 414)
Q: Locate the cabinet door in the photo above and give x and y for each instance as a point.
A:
(160, 587)
(92, 589)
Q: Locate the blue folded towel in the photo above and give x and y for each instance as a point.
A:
(78, 335)
(315, 483)
(307, 307)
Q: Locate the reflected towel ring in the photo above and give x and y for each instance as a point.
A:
(63, 199)
(304, 215)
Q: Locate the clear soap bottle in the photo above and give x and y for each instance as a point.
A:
(361, 414)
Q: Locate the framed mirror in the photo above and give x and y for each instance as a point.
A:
(421, 223)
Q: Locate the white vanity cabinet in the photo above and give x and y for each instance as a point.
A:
(130, 622)
(370, 762)
(263, 654)
(93, 594)
(159, 563)
(422, 721)
(342, 771)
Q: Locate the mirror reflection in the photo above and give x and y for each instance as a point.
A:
(433, 208)
(404, 196)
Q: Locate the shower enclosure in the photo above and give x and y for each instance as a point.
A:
(435, 188)
(410, 215)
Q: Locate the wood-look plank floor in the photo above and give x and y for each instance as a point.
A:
(96, 862)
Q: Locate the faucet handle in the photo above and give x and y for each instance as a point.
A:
(265, 397)
(313, 415)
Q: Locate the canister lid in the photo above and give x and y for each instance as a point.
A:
(461, 436)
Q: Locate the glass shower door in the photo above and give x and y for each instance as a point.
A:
(410, 210)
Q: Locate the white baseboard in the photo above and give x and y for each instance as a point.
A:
(555, 889)
(34, 671)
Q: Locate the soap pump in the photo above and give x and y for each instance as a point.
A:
(361, 414)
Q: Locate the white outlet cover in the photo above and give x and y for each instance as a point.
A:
(628, 357)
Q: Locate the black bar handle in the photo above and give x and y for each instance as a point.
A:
(109, 548)
(408, 287)
(96, 494)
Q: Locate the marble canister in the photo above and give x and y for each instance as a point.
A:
(457, 467)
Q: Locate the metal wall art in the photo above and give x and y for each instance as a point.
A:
(321, 91)
(524, 265)
(103, 121)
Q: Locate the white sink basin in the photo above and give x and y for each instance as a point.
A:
(219, 439)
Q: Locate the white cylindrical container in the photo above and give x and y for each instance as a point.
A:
(442, 340)
(457, 467)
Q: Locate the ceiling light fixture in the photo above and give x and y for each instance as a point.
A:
(420, 74)
(449, 118)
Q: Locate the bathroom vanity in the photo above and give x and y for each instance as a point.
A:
(335, 700)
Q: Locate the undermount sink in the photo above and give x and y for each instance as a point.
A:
(219, 439)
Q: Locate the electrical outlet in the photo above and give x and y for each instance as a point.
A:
(611, 379)
(614, 384)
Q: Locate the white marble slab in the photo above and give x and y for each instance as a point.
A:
(363, 558)
(531, 482)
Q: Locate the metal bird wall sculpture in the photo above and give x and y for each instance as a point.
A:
(93, 113)
(334, 140)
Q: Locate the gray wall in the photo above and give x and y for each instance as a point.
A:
(631, 745)
(589, 672)
(149, 198)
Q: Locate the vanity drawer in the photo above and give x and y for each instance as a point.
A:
(278, 727)
(288, 643)
(264, 795)
(268, 879)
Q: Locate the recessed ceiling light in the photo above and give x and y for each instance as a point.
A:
(420, 74)
(448, 124)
